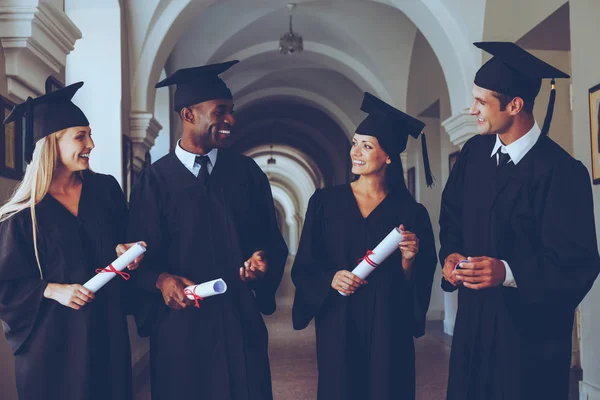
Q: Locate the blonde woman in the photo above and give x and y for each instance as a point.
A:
(62, 223)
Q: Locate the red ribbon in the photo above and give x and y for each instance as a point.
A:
(112, 269)
(188, 292)
(368, 260)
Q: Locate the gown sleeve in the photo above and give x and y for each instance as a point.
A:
(21, 288)
(119, 226)
(423, 268)
(144, 223)
(310, 274)
(451, 217)
(268, 238)
(567, 264)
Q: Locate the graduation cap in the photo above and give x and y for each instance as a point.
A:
(49, 113)
(198, 84)
(392, 127)
(517, 73)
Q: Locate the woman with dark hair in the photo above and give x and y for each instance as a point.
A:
(365, 337)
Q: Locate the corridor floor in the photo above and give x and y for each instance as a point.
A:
(294, 363)
(293, 360)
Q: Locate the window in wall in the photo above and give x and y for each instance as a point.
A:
(11, 137)
(410, 181)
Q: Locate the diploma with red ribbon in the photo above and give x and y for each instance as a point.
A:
(373, 258)
(104, 275)
(206, 289)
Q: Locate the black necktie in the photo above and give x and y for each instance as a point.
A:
(503, 158)
(203, 175)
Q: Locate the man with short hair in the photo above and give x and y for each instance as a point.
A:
(518, 240)
(205, 214)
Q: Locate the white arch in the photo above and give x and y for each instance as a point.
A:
(292, 176)
(297, 156)
(360, 73)
(454, 51)
(338, 159)
(283, 197)
(458, 60)
(314, 99)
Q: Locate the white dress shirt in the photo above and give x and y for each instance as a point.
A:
(516, 151)
(189, 159)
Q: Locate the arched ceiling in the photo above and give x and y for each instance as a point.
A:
(340, 40)
(321, 88)
(287, 122)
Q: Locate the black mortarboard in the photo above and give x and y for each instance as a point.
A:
(198, 84)
(392, 127)
(51, 113)
(516, 73)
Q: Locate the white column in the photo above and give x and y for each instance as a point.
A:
(461, 127)
(162, 111)
(36, 38)
(96, 60)
(143, 130)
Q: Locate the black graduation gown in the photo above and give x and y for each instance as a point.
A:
(61, 353)
(515, 343)
(218, 351)
(364, 341)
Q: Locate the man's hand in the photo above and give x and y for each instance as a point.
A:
(255, 267)
(481, 273)
(448, 268)
(171, 287)
(122, 248)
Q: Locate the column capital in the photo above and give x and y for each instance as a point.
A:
(36, 39)
(143, 130)
(461, 127)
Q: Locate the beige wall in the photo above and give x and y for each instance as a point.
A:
(510, 19)
(561, 130)
(585, 32)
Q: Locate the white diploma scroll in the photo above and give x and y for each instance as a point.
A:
(106, 274)
(372, 259)
(206, 289)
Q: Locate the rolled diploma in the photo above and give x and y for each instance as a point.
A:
(383, 250)
(207, 289)
(119, 264)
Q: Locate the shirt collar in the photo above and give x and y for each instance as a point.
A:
(189, 159)
(517, 149)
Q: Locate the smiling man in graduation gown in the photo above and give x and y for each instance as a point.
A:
(519, 209)
(206, 213)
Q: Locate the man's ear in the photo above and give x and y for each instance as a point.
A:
(516, 105)
(187, 115)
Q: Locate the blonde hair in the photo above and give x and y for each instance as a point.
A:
(35, 185)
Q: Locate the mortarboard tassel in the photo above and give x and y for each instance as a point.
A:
(428, 176)
(550, 110)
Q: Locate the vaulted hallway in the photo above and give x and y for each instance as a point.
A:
(297, 113)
